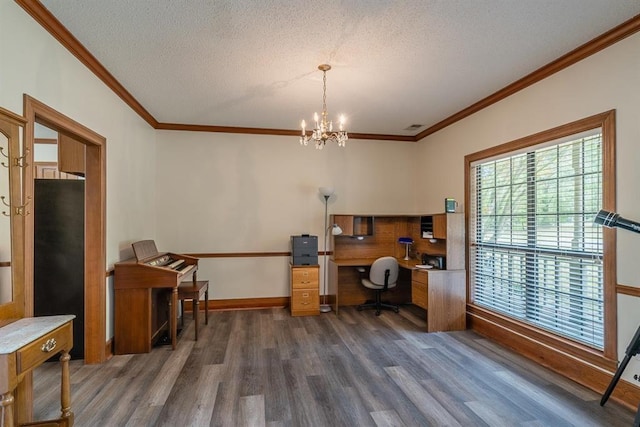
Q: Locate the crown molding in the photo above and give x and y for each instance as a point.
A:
(64, 36)
(266, 131)
(601, 42)
(36, 10)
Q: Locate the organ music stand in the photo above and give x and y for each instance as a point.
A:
(611, 220)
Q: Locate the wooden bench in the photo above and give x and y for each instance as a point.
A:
(193, 291)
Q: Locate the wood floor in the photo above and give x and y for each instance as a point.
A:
(264, 367)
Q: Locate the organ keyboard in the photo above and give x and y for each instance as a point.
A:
(146, 296)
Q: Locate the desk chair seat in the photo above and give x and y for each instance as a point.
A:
(382, 276)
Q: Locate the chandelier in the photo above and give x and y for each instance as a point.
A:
(323, 128)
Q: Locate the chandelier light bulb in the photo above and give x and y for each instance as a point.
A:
(323, 129)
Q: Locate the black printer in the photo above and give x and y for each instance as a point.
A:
(304, 250)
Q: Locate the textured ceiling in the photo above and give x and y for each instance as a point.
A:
(246, 63)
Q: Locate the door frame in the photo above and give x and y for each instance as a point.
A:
(95, 223)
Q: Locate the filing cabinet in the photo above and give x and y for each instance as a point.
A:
(305, 290)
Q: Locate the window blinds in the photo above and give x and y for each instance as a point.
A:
(535, 253)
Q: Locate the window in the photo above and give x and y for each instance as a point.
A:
(535, 254)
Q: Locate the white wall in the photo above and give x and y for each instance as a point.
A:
(243, 193)
(34, 63)
(228, 193)
(605, 81)
(222, 193)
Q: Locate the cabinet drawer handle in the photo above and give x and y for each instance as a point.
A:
(48, 346)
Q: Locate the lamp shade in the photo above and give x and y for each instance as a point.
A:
(326, 191)
(336, 230)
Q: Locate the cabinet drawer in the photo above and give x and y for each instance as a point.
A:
(419, 295)
(304, 277)
(38, 351)
(420, 276)
(305, 301)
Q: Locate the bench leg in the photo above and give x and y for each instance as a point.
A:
(196, 308)
(182, 313)
(206, 306)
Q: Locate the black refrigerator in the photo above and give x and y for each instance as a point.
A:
(59, 253)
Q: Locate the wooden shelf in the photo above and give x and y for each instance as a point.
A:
(354, 225)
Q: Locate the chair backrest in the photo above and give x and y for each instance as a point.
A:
(379, 266)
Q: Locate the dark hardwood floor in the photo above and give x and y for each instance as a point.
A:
(264, 367)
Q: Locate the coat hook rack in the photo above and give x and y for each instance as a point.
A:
(6, 156)
(19, 210)
(5, 203)
(21, 161)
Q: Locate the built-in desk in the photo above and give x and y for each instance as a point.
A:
(442, 293)
(345, 286)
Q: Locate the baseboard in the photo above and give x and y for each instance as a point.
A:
(241, 303)
(108, 349)
(584, 373)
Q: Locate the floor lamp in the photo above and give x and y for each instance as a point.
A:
(326, 193)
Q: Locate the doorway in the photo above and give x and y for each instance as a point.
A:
(94, 227)
(58, 215)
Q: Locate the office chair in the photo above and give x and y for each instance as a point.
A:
(382, 276)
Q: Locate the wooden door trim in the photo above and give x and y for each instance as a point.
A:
(95, 229)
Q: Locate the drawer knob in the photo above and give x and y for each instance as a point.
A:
(49, 345)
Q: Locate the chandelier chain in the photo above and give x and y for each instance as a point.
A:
(324, 97)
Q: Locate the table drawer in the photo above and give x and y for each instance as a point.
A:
(304, 277)
(419, 295)
(43, 348)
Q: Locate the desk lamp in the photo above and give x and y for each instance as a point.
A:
(407, 241)
(335, 230)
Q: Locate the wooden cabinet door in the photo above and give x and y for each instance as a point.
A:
(70, 155)
(345, 222)
(440, 226)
